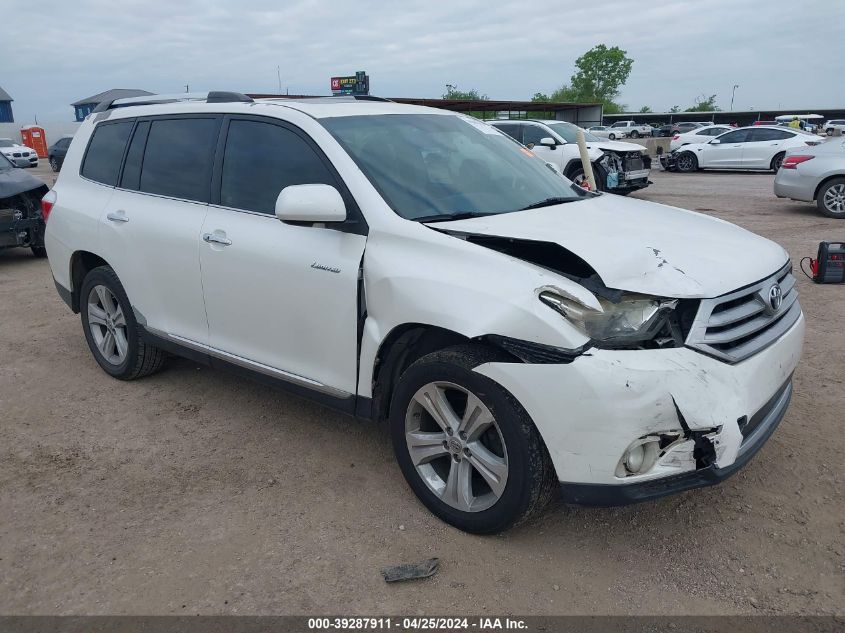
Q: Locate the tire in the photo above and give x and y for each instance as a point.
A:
(686, 162)
(635, 134)
(831, 199)
(777, 161)
(103, 299)
(38, 251)
(54, 164)
(577, 176)
(829, 131)
(611, 136)
(509, 443)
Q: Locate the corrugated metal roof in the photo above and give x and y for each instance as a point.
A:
(111, 95)
(5, 96)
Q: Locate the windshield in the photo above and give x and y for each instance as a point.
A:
(4, 142)
(567, 132)
(430, 165)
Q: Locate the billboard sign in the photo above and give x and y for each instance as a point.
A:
(357, 84)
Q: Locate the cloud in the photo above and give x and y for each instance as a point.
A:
(779, 52)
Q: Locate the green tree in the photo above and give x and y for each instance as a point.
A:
(540, 97)
(645, 110)
(675, 109)
(600, 74)
(452, 92)
(704, 104)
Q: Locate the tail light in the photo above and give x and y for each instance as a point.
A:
(47, 203)
(676, 137)
(792, 162)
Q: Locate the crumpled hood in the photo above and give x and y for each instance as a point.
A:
(641, 246)
(616, 146)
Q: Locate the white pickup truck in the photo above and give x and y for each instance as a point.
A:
(622, 129)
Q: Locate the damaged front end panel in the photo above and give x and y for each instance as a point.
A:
(625, 172)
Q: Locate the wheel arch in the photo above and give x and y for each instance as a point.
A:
(81, 263)
(824, 181)
(404, 345)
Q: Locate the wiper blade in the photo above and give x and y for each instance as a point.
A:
(548, 202)
(445, 217)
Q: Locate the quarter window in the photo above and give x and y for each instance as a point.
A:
(102, 160)
(178, 158)
(260, 160)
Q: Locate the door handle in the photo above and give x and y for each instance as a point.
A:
(211, 238)
(117, 216)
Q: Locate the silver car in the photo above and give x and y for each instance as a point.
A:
(815, 174)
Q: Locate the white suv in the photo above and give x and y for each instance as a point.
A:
(520, 334)
(618, 167)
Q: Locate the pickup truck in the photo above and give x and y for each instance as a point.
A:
(622, 129)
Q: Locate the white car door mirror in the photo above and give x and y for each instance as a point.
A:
(310, 203)
(548, 141)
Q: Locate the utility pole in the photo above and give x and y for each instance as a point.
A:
(279, 76)
(732, 96)
(187, 88)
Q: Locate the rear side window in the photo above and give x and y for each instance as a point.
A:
(260, 160)
(105, 151)
(765, 134)
(178, 158)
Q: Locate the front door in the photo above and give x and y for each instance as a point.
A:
(281, 299)
(726, 154)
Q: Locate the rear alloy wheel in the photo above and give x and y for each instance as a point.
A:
(831, 199)
(112, 333)
(777, 161)
(611, 136)
(466, 447)
(635, 134)
(54, 164)
(686, 162)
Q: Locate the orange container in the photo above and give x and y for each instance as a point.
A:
(34, 137)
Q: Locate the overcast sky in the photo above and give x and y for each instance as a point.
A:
(782, 53)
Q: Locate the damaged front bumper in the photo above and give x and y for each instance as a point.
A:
(709, 417)
(625, 172)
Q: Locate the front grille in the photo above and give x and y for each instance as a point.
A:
(16, 154)
(740, 324)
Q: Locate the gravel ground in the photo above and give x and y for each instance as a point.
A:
(194, 491)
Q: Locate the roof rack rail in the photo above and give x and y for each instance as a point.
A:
(213, 96)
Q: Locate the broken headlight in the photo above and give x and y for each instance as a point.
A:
(630, 322)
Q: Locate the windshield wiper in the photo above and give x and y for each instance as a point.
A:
(445, 217)
(548, 202)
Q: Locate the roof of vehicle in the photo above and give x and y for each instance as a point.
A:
(5, 96)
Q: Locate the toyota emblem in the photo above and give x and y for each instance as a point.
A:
(775, 297)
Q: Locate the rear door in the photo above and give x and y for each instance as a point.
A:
(762, 146)
(150, 230)
(281, 298)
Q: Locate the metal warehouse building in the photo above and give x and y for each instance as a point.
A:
(745, 117)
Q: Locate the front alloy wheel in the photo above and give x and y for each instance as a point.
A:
(466, 446)
(456, 446)
(686, 162)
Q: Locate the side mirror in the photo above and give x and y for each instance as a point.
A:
(310, 203)
(715, 141)
(548, 141)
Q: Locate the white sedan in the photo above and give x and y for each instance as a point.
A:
(599, 130)
(697, 135)
(757, 147)
(20, 155)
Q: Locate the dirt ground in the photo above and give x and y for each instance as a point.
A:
(194, 491)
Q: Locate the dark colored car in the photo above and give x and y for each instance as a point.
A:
(57, 152)
(21, 222)
(670, 129)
